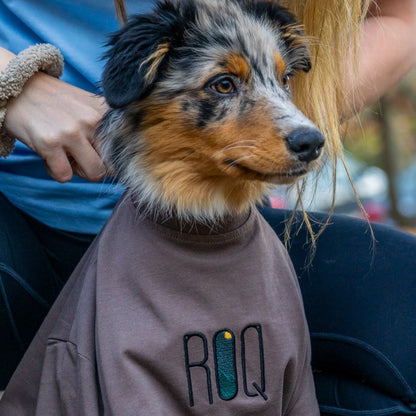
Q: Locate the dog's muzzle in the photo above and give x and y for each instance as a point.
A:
(305, 144)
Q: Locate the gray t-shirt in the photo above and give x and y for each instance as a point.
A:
(158, 321)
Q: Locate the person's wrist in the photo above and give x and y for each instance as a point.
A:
(41, 57)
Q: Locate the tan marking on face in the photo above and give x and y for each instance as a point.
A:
(295, 33)
(297, 41)
(155, 60)
(192, 166)
(293, 28)
(259, 146)
(238, 65)
(280, 64)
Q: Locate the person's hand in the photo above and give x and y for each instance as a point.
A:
(57, 121)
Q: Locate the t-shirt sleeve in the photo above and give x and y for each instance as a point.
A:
(68, 384)
(53, 373)
(303, 401)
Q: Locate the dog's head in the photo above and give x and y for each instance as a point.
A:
(202, 119)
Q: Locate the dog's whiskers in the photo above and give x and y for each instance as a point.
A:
(235, 145)
(237, 161)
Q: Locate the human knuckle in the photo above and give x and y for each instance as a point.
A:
(90, 118)
(97, 177)
(62, 174)
(51, 141)
(70, 131)
(96, 174)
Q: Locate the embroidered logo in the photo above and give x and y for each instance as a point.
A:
(225, 363)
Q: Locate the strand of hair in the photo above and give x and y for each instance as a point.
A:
(121, 12)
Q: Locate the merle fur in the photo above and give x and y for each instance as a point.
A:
(171, 21)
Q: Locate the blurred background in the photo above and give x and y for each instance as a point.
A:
(380, 153)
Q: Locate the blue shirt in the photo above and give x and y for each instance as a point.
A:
(79, 29)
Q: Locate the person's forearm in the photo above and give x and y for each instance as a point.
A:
(57, 121)
(5, 57)
(388, 49)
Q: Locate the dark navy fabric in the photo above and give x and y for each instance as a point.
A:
(35, 262)
(360, 302)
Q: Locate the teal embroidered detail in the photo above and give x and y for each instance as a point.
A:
(198, 360)
(225, 365)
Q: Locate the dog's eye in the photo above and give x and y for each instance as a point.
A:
(285, 81)
(224, 86)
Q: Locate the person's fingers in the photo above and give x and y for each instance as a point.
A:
(87, 163)
(58, 166)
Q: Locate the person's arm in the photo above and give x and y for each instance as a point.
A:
(57, 121)
(388, 49)
(5, 57)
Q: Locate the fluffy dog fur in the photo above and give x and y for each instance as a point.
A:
(201, 120)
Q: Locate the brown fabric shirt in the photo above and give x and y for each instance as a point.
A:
(155, 321)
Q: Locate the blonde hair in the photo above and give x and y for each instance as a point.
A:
(325, 93)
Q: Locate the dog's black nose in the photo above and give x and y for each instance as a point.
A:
(306, 144)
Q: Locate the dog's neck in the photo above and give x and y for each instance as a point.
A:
(191, 225)
(207, 203)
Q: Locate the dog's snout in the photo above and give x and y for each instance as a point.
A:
(306, 144)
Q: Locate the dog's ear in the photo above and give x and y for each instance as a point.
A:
(296, 46)
(295, 42)
(136, 55)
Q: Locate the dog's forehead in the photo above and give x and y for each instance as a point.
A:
(224, 23)
(222, 29)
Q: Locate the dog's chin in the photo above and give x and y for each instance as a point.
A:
(287, 178)
(284, 177)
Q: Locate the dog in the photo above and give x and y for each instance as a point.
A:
(202, 120)
(187, 303)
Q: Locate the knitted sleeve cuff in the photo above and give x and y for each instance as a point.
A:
(41, 57)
